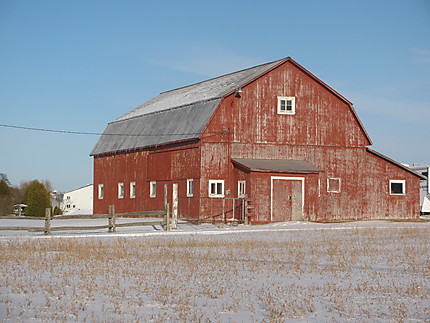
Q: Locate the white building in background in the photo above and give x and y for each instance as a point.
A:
(423, 169)
(78, 201)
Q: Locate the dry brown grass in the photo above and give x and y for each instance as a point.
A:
(359, 274)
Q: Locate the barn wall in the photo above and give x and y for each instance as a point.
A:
(260, 189)
(324, 132)
(120, 168)
(364, 182)
(165, 166)
(382, 202)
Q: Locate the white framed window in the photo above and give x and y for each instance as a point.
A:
(152, 189)
(190, 187)
(132, 190)
(333, 184)
(101, 192)
(216, 188)
(241, 189)
(286, 105)
(397, 187)
(120, 190)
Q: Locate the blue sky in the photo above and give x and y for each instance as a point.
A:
(77, 65)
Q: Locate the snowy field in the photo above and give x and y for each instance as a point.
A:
(372, 271)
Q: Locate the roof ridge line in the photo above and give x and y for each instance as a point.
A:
(220, 76)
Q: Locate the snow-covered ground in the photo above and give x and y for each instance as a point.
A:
(78, 211)
(297, 271)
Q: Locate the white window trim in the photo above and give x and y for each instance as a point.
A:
(328, 184)
(153, 189)
(293, 104)
(241, 194)
(101, 192)
(216, 181)
(132, 190)
(398, 181)
(190, 187)
(120, 190)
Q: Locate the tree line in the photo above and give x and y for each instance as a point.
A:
(35, 194)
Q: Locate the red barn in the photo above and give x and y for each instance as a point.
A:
(274, 133)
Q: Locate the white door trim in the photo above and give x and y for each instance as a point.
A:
(302, 179)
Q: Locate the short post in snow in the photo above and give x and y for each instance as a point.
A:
(223, 210)
(112, 219)
(166, 209)
(165, 197)
(47, 221)
(167, 220)
(175, 206)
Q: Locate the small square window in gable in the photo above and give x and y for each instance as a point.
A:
(286, 105)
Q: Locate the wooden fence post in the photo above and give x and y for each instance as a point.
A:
(112, 219)
(165, 197)
(48, 221)
(167, 226)
(175, 206)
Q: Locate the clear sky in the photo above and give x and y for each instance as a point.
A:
(77, 65)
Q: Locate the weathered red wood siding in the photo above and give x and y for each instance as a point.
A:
(163, 165)
(324, 131)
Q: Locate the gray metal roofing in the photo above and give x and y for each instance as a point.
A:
(153, 129)
(276, 165)
(203, 91)
(175, 115)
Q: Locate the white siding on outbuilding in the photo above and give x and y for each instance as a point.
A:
(79, 201)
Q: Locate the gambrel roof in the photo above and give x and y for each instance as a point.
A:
(182, 114)
(175, 115)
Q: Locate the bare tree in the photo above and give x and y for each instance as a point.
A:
(3, 177)
(48, 185)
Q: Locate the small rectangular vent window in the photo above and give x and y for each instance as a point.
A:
(132, 190)
(153, 189)
(397, 187)
(241, 189)
(101, 192)
(190, 187)
(333, 185)
(120, 190)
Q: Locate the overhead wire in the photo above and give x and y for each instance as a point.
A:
(96, 133)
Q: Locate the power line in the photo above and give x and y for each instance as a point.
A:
(96, 133)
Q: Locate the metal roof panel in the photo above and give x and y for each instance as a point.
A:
(182, 123)
(203, 91)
